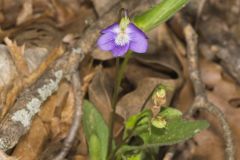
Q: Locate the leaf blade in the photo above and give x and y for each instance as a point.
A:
(95, 129)
(159, 14)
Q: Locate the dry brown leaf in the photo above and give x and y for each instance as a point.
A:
(64, 12)
(55, 101)
(67, 113)
(35, 56)
(1, 18)
(82, 148)
(7, 69)
(144, 73)
(31, 145)
(207, 146)
(102, 6)
(80, 157)
(50, 151)
(56, 53)
(100, 93)
(180, 101)
(59, 120)
(100, 55)
(3, 156)
(26, 12)
(87, 80)
(11, 96)
(17, 54)
(132, 102)
(55, 127)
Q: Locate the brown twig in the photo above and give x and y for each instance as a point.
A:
(18, 120)
(201, 101)
(19, 84)
(76, 120)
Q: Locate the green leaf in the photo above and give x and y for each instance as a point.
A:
(177, 130)
(170, 113)
(137, 156)
(159, 14)
(137, 118)
(95, 130)
(94, 147)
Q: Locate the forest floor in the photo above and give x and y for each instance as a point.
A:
(38, 38)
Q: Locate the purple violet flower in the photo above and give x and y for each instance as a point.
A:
(119, 38)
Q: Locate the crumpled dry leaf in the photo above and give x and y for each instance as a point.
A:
(58, 119)
(180, 99)
(132, 102)
(35, 56)
(3, 156)
(7, 68)
(67, 113)
(17, 54)
(65, 11)
(31, 145)
(100, 93)
(102, 6)
(26, 12)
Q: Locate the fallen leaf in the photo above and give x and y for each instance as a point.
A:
(31, 145)
(26, 12)
(100, 94)
(17, 54)
(7, 69)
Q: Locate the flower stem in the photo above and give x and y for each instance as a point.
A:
(120, 73)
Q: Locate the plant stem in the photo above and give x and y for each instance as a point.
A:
(132, 131)
(120, 73)
(149, 96)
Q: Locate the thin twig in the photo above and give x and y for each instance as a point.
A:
(201, 101)
(76, 120)
(18, 120)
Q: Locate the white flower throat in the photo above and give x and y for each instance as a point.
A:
(122, 38)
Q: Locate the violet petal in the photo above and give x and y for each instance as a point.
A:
(138, 39)
(120, 50)
(111, 28)
(106, 41)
